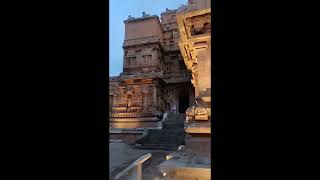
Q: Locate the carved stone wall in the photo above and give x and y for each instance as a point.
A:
(173, 65)
(135, 100)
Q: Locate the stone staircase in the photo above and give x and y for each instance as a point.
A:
(169, 137)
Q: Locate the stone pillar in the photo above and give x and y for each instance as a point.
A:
(204, 66)
(195, 49)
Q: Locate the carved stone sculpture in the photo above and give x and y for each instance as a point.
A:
(196, 113)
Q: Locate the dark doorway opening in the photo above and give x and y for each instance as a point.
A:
(183, 102)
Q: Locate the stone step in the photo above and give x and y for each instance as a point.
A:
(161, 145)
(164, 135)
(165, 139)
(161, 142)
(157, 148)
(179, 142)
(174, 123)
(170, 136)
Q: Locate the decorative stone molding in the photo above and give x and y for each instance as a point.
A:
(131, 115)
(140, 41)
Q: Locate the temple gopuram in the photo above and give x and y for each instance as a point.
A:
(155, 78)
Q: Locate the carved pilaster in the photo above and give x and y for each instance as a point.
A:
(155, 96)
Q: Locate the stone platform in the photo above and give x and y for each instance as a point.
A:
(186, 166)
(121, 155)
(129, 123)
(128, 135)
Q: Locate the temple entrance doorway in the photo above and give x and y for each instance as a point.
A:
(183, 101)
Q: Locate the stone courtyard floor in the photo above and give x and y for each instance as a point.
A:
(122, 155)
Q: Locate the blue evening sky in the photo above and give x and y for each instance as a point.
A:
(118, 12)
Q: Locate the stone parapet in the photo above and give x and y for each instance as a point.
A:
(144, 17)
(141, 41)
(135, 76)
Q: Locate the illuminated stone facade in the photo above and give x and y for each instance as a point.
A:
(155, 78)
(195, 45)
(194, 160)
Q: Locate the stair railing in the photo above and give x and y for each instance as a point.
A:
(134, 171)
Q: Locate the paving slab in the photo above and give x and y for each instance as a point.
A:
(121, 155)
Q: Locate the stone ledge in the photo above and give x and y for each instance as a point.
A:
(129, 130)
(125, 132)
(140, 41)
(142, 119)
(184, 169)
(133, 19)
(199, 128)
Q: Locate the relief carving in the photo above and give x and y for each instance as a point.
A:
(196, 113)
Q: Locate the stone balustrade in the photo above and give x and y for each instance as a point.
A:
(134, 171)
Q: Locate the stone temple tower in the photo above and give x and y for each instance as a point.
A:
(154, 80)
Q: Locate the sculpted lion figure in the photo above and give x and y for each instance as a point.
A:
(196, 113)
